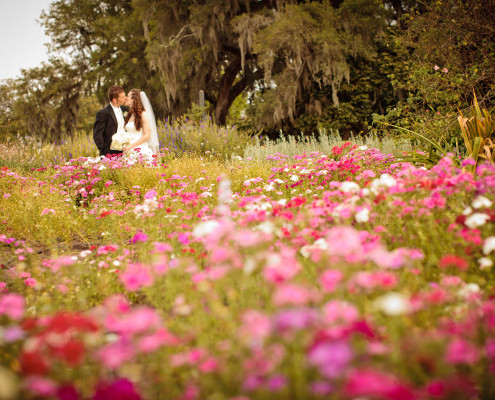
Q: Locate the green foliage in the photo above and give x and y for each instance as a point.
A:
(203, 137)
(478, 133)
(291, 146)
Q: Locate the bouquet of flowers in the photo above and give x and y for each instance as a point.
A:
(120, 140)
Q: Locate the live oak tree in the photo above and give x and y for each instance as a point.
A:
(279, 47)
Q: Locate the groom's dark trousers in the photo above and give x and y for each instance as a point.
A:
(104, 128)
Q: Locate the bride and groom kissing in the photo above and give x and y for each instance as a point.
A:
(135, 134)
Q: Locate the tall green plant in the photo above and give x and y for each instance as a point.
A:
(478, 132)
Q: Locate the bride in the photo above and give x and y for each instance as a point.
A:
(140, 125)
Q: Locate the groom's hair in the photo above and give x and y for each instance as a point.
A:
(114, 91)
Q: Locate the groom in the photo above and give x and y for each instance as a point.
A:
(109, 120)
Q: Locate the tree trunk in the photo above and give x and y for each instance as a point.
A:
(224, 99)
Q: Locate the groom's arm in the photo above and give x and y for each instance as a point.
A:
(99, 131)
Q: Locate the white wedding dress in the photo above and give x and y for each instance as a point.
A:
(134, 136)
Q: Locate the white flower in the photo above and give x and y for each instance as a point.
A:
(319, 244)
(477, 219)
(294, 178)
(102, 167)
(249, 266)
(469, 289)
(467, 211)
(393, 304)
(485, 263)
(385, 180)
(489, 245)
(116, 263)
(84, 253)
(282, 202)
(481, 202)
(363, 215)
(205, 228)
(363, 147)
(349, 187)
(265, 227)
(268, 188)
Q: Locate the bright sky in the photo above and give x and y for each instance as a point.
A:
(21, 37)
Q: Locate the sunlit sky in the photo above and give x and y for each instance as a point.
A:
(21, 37)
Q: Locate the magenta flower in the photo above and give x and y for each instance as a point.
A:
(375, 384)
(139, 237)
(120, 389)
(67, 392)
(461, 352)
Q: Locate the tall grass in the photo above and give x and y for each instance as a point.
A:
(182, 137)
(290, 146)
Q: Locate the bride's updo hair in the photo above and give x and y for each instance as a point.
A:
(136, 109)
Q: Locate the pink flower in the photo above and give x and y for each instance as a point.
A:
(255, 327)
(445, 70)
(292, 294)
(295, 319)
(150, 343)
(116, 354)
(138, 320)
(136, 276)
(281, 266)
(183, 238)
(62, 262)
(276, 383)
(108, 183)
(460, 351)
(151, 194)
(436, 67)
(161, 247)
(339, 312)
(13, 334)
(41, 386)
(47, 211)
(375, 384)
(139, 237)
(331, 357)
(12, 305)
(330, 279)
(209, 365)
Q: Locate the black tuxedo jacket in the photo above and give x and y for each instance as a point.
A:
(104, 128)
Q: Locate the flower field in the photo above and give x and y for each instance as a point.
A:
(347, 276)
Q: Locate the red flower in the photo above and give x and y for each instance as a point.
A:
(32, 363)
(451, 260)
(72, 352)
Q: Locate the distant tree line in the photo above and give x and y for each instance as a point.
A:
(299, 66)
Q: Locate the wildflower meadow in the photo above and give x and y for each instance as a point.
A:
(344, 275)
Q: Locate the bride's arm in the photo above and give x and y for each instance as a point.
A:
(144, 137)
